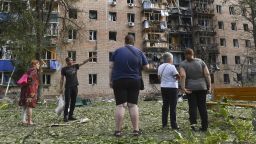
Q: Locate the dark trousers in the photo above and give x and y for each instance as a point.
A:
(170, 96)
(197, 99)
(70, 100)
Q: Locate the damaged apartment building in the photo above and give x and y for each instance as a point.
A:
(98, 28)
(215, 30)
(173, 26)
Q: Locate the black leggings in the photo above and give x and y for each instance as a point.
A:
(70, 100)
(170, 97)
(197, 99)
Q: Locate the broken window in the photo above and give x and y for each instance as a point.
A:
(246, 27)
(235, 43)
(92, 79)
(226, 79)
(233, 26)
(93, 35)
(224, 60)
(112, 36)
(131, 17)
(46, 79)
(247, 43)
(231, 10)
(72, 54)
(94, 55)
(72, 34)
(237, 60)
(72, 13)
(93, 14)
(221, 25)
(222, 42)
(153, 37)
(112, 16)
(153, 16)
(219, 9)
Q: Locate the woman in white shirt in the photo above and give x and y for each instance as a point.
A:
(169, 76)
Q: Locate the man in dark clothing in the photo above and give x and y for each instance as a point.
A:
(70, 73)
(195, 81)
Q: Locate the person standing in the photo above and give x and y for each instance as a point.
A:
(71, 90)
(28, 95)
(195, 81)
(125, 79)
(169, 76)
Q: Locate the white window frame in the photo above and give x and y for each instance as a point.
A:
(112, 16)
(2, 8)
(131, 17)
(93, 79)
(72, 54)
(53, 30)
(45, 79)
(92, 35)
(94, 55)
(73, 34)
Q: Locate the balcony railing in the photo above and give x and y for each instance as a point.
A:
(210, 48)
(147, 5)
(51, 64)
(155, 44)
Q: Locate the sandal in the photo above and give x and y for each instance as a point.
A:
(137, 132)
(117, 133)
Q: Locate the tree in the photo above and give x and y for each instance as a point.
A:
(25, 28)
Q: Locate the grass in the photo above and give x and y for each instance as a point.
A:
(99, 130)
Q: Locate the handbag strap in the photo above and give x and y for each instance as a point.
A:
(163, 70)
(135, 55)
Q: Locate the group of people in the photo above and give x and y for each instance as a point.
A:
(125, 78)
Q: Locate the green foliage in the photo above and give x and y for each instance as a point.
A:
(99, 130)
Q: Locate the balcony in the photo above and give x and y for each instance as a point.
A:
(156, 44)
(208, 48)
(148, 6)
(177, 48)
(51, 65)
(203, 11)
(173, 29)
(204, 29)
(179, 11)
(157, 26)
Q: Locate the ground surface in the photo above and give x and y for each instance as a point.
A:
(228, 125)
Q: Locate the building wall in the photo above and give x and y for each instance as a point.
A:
(229, 50)
(82, 45)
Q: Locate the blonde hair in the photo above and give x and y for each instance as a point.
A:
(34, 62)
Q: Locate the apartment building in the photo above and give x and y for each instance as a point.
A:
(103, 26)
(235, 42)
(218, 34)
